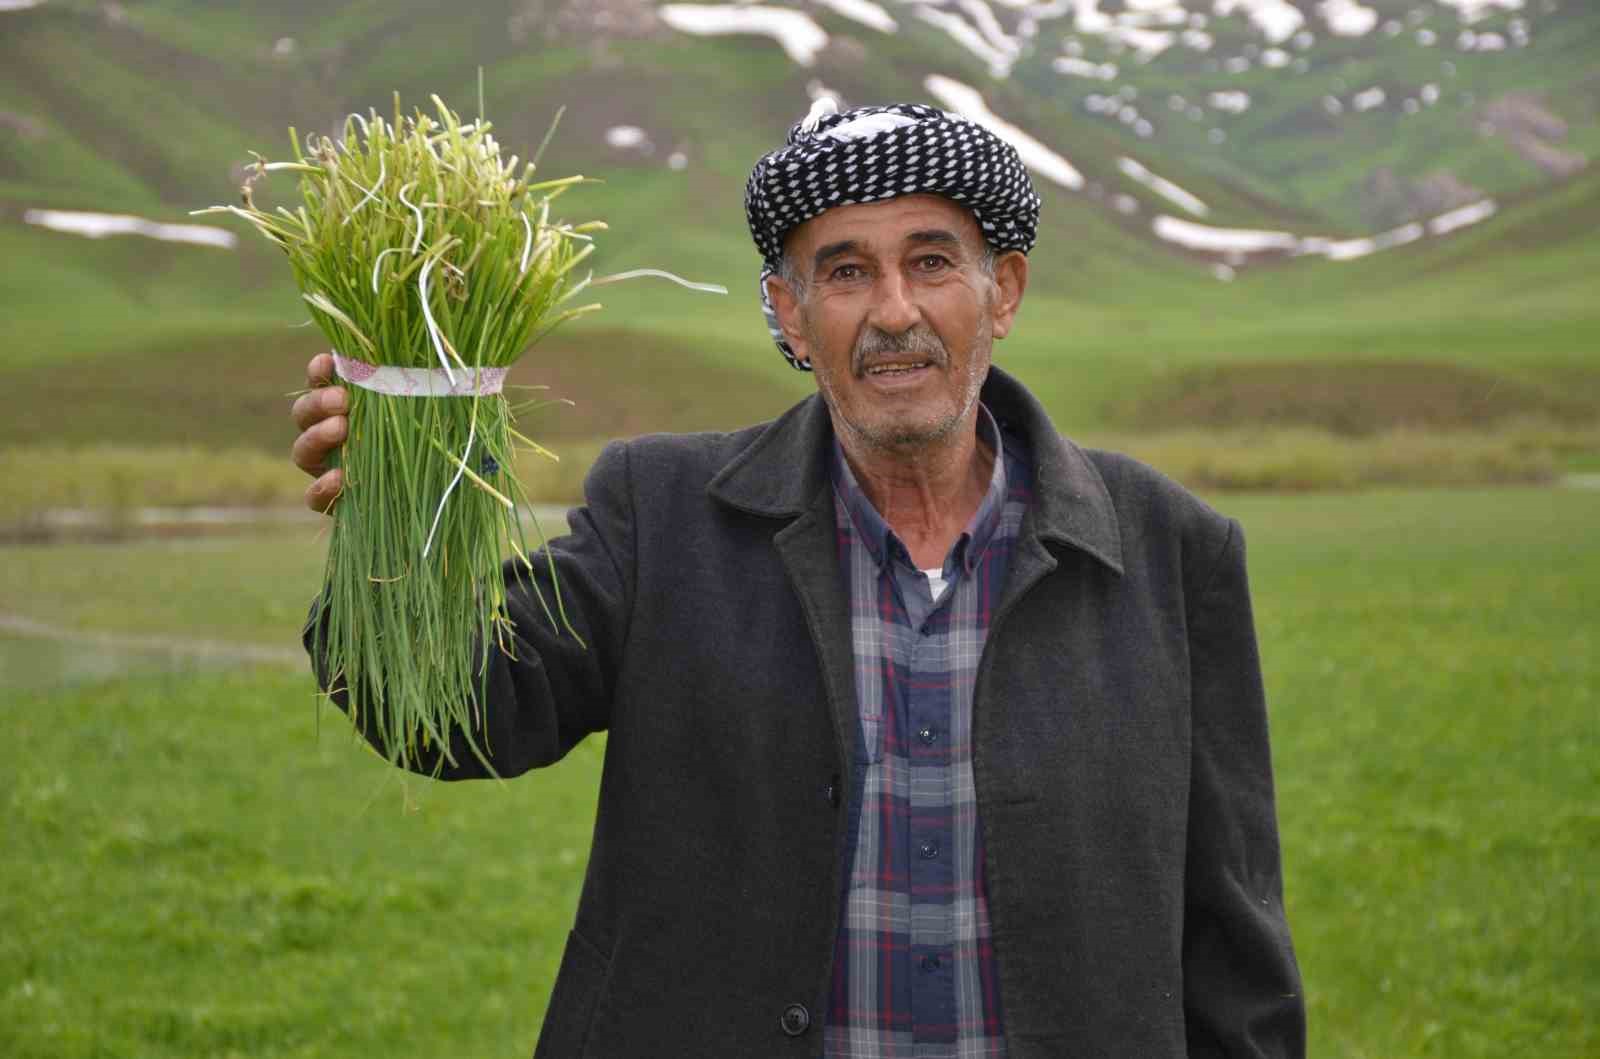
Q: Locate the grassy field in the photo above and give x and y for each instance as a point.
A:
(195, 867)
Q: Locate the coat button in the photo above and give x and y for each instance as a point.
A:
(796, 1020)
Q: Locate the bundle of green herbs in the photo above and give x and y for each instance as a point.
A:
(431, 264)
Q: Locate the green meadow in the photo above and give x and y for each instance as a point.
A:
(199, 862)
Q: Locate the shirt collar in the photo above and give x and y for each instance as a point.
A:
(882, 542)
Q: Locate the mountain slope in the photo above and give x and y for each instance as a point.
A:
(151, 108)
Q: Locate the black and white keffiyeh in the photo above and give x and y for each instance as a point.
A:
(868, 154)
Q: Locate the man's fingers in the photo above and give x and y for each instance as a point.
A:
(322, 493)
(320, 415)
(316, 405)
(320, 371)
(311, 448)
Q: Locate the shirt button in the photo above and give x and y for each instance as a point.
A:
(930, 963)
(930, 849)
(796, 1020)
(927, 735)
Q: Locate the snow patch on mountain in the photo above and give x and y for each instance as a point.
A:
(1351, 249)
(1146, 28)
(983, 17)
(626, 137)
(799, 36)
(1470, 11)
(1347, 18)
(865, 12)
(999, 59)
(968, 103)
(1236, 245)
(1232, 101)
(1469, 40)
(1276, 19)
(1232, 241)
(1066, 64)
(1369, 99)
(1466, 216)
(1163, 187)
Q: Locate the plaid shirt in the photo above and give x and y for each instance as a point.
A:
(914, 972)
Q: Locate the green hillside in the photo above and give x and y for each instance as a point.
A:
(151, 108)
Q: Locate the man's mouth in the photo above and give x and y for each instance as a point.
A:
(898, 367)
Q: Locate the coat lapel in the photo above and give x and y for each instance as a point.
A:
(809, 549)
(1070, 504)
(783, 476)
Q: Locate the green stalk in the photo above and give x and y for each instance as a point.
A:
(409, 637)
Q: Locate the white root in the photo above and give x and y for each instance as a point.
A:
(378, 263)
(371, 193)
(433, 327)
(416, 243)
(616, 277)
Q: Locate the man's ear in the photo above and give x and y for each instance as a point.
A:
(787, 307)
(1011, 281)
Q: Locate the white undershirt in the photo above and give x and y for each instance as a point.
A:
(936, 582)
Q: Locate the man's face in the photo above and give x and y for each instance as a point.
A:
(897, 315)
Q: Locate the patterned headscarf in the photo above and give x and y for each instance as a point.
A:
(868, 154)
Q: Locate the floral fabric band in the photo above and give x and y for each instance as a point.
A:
(419, 382)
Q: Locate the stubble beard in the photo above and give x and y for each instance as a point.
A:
(900, 436)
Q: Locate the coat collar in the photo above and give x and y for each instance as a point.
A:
(780, 474)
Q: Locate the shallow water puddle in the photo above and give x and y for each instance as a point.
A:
(36, 656)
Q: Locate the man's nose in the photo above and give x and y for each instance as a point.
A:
(893, 309)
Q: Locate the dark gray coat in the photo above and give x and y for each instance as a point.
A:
(1121, 758)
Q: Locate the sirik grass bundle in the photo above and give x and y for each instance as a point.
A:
(418, 247)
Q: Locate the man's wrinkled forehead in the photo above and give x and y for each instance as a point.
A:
(879, 228)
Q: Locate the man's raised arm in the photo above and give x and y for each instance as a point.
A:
(545, 688)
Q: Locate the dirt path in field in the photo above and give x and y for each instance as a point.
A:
(184, 647)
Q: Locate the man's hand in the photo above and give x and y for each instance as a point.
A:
(320, 415)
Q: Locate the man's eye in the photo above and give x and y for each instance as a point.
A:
(932, 262)
(845, 272)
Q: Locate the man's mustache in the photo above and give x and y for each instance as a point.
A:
(876, 346)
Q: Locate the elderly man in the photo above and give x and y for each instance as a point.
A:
(930, 733)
